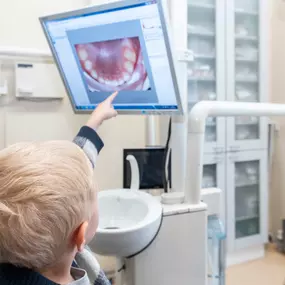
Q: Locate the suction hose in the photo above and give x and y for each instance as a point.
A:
(135, 173)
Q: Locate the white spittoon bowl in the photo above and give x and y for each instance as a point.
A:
(129, 220)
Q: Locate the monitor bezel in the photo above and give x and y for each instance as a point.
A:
(108, 6)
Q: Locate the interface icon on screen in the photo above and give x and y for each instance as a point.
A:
(114, 65)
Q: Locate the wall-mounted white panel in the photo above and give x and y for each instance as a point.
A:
(38, 80)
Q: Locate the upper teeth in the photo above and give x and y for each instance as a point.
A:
(88, 65)
(130, 55)
(112, 83)
(101, 80)
(126, 76)
(129, 66)
(94, 74)
(83, 54)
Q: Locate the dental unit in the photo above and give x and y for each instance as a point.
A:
(156, 240)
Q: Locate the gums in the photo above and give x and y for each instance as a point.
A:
(113, 65)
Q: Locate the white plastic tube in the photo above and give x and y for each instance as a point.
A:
(196, 133)
(135, 172)
(178, 28)
(151, 131)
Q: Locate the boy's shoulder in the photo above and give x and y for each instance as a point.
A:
(13, 275)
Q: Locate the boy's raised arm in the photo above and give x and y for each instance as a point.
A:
(87, 138)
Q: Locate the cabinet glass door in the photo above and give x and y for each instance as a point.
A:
(247, 188)
(244, 76)
(247, 65)
(206, 40)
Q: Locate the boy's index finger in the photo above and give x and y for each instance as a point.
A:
(113, 96)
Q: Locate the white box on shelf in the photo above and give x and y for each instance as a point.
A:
(38, 81)
(214, 170)
(3, 87)
(212, 197)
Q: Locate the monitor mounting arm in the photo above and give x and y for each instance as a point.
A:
(196, 133)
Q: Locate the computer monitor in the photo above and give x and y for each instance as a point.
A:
(122, 46)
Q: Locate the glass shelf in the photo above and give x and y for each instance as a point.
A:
(247, 184)
(206, 3)
(245, 218)
(204, 56)
(245, 80)
(246, 38)
(246, 12)
(199, 5)
(201, 33)
(249, 60)
(196, 78)
(246, 124)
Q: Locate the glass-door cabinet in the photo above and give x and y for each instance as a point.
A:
(245, 72)
(247, 186)
(206, 74)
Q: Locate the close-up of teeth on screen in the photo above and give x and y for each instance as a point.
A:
(114, 65)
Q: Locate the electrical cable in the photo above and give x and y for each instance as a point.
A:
(166, 159)
(149, 244)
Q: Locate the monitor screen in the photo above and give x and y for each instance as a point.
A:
(121, 46)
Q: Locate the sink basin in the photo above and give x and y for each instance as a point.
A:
(128, 222)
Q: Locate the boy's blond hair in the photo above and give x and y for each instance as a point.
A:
(46, 191)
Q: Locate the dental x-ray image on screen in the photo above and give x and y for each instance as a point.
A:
(113, 65)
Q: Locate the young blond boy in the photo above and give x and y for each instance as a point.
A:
(48, 208)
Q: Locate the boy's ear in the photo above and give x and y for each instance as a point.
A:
(79, 236)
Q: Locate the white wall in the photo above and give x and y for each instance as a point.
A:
(19, 26)
(19, 20)
(277, 67)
